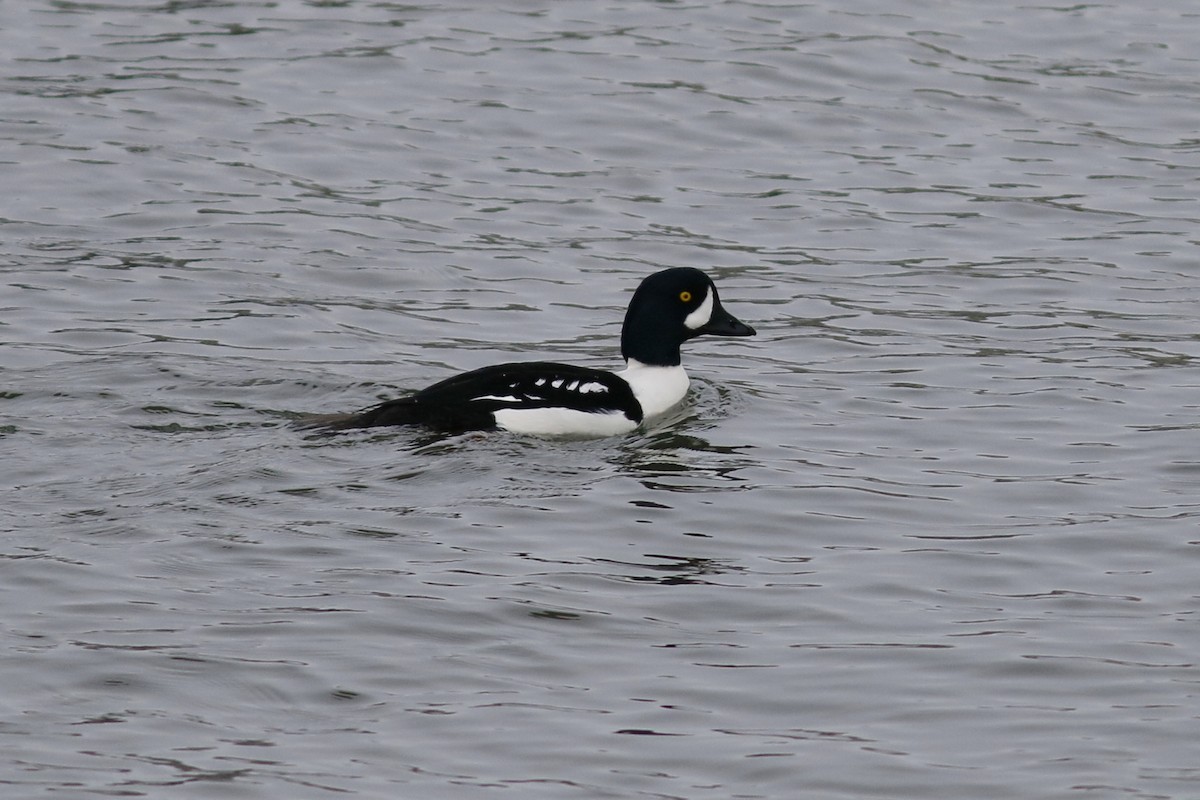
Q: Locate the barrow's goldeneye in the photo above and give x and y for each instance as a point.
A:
(542, 397)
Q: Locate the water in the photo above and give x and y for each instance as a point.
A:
(932, 533)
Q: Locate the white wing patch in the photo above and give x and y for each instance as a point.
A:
(590, 387)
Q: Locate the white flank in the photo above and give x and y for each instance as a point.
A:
(656, 388)
(503, 398)
(563, 421)
(700, 317)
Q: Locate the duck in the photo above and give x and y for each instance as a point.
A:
(546, 398)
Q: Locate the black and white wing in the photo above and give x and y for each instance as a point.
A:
(470, 401)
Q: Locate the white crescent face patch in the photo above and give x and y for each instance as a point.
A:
(700, 317)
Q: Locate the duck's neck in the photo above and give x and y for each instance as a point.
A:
(649, 338)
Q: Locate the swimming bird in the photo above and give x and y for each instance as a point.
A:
(548, 398)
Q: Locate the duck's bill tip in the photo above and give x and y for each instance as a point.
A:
(725, 324)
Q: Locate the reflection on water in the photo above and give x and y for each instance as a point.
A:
(673, 570)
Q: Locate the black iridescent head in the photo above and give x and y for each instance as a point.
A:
(670, 307)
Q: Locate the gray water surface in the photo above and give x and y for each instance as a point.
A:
(932, 534)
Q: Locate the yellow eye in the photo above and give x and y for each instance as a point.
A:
(685, 296)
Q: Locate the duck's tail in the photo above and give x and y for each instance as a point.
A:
(403, 411)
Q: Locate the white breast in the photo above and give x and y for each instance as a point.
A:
(656, 388)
